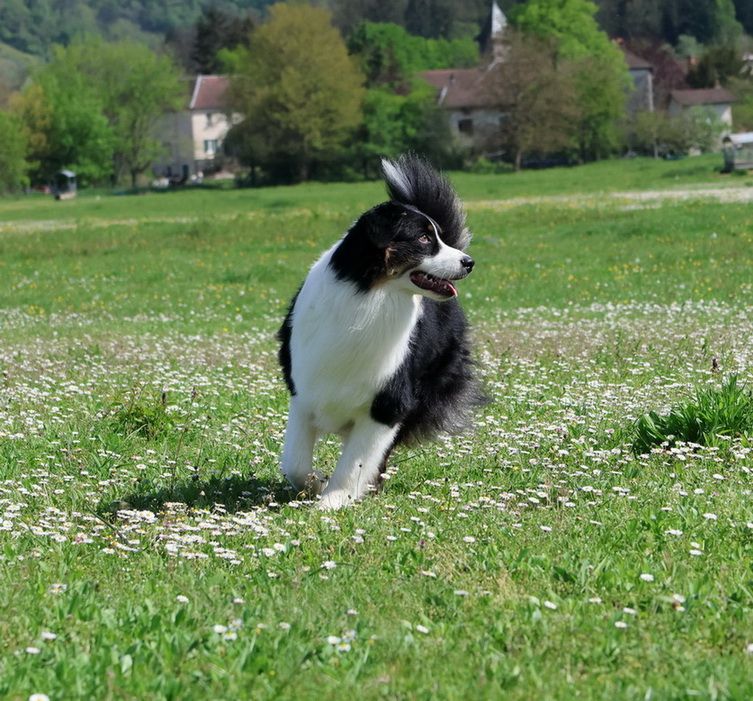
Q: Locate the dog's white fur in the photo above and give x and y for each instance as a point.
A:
(345, 345)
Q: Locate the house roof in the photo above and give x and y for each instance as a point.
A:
(636, 63)
(706, 96)
(459, 87)
(209, 92)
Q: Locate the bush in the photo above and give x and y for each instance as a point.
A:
(726, 411)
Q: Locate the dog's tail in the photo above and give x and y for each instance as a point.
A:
(412, 181)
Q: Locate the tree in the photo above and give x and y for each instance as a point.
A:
(718, 64)
(601, 76)
(64, 127)
(299, 90)
(13, 165)
(132, 101)
(216, 30)
(536, 96)
(388, 55)
(94, 109)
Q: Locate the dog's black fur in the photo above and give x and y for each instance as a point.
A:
(435, 389)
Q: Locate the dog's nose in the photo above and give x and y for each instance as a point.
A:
(467, 262)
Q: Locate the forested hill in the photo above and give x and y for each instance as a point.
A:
(33, 26)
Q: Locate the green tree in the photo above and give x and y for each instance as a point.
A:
(536, 96)
(389, 55)
(601, 77)
(64, 127)
(132, 101)
(216, 30)
(298, 89)
(718, 64)
(13, 164)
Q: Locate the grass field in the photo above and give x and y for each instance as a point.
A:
(150, 550)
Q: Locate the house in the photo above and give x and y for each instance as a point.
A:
(719, 100)
(470, 107)
(641, 99)
(192, 138)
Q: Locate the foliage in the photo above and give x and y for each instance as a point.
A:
(65, 128)
(298, 89)
(388, 55)
(718, 64)
(143, 417)
(698, 128)
(601, 78)
(536, 96)
(132, 101)
(742, 109)
(85, 112)
(725, 412)
(214, 31)
(665, 21)
(13, 164)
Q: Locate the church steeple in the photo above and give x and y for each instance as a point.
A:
(492, 33)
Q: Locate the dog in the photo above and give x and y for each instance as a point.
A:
(374, 346)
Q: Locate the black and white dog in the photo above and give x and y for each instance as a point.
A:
(374, 345)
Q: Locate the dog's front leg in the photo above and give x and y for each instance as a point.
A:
(364, 450)
(298, 451)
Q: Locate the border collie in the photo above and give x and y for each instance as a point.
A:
(374, 345)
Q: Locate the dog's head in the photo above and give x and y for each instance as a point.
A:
(415, 241)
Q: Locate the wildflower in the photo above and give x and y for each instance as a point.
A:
(47, 635)
(33, 650)
(182, 599)
(333, 640)
(422, 629)
(461, 592)
(550, 605)
(620, 624)
(329, 565)
(646, 577)
(469, 539)
(57, 588)
(219, 628)
(284, 625)
(39, 697)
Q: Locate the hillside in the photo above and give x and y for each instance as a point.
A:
(33, 26)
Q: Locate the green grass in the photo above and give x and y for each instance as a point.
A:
(144, 524)
(716, 414)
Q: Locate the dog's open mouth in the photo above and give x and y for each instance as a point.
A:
(437, 285)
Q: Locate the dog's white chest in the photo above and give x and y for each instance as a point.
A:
(346, 344)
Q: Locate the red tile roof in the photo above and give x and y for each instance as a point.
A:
(460, 87)
(706, 96)
(209, 92)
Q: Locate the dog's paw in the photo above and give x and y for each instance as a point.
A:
(332, 501)
(315, 483)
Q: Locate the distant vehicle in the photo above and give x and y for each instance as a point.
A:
(64, 185)
(737, 150)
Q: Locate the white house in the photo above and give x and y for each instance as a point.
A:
(719, 100)
(192, 138)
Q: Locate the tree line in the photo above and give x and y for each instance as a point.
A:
(34, 26)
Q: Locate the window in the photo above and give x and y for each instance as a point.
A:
(465, 126)
(210, 119)
(211, 146)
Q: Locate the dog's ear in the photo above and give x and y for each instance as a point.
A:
(380, 223)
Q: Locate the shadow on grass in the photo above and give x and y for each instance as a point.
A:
(233, 493)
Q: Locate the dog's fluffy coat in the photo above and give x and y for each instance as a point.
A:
(374, 346)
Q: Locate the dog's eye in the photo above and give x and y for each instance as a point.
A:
(425, 239)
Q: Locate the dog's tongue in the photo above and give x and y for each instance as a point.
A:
(433, 284)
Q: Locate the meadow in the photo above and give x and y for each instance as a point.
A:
(149, 548)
